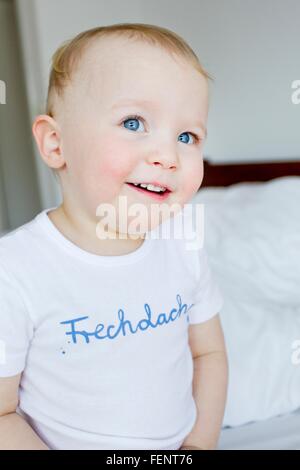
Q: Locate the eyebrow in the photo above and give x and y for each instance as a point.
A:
(138, 102)
(149, 104)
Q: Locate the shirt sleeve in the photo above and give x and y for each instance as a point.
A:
(208, 299)
(16, 327)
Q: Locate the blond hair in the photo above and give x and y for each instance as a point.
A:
(65, 58)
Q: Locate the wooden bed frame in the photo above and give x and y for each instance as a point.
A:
(225, 174)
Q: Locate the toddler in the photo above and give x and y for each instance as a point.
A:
(110, 336)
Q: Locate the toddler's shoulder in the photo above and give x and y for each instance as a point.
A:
(18, 244)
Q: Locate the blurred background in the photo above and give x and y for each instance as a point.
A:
(251, 47)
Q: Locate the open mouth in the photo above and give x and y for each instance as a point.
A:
(159, 195)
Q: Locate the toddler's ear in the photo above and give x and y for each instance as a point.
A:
(47, 135)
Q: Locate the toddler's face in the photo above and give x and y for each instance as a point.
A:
(105, 146)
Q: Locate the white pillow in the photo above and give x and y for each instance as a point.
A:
(252, 237)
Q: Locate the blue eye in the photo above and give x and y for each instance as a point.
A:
(132, 126)
(130, 120)
(194, 136)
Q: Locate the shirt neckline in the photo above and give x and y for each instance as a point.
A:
(92, 258)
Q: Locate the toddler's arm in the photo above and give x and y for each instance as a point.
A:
(210, 382)
(15, 432)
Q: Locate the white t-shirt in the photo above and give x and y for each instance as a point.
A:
(102, 341)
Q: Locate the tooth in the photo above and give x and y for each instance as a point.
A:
(151, 187)
(155, 188)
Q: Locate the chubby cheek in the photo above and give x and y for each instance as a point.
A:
(191, 180)
(108, 166)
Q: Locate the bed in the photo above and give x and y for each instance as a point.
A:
(252, 235)
(277, 433)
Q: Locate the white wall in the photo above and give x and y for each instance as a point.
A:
(249, 46)
(31, 35)
(19, 194)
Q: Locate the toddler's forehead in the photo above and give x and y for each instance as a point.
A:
(110, 56)
(109, 70)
